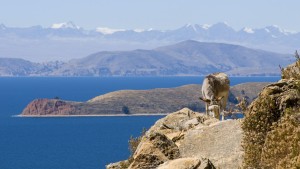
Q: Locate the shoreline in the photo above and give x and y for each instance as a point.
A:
(89, 115)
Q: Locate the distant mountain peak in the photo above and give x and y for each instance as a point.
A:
(205, 26)
(2, 26)
(108, 31)
(65, 25)
(139, 30)
(221, 24)
(248, 30)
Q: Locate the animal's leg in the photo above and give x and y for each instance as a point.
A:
(223, 115)
(206, 108)
(217, 115)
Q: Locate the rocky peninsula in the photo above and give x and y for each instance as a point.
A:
(136, 102)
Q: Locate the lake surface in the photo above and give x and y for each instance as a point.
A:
(76, 142)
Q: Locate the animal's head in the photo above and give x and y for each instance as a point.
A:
(213, 105)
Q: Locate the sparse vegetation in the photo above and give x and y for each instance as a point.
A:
(133, 144)
(272, 124)
(125, 110)
(242, 104)
(297, 56)
(282, 145)
(292, 71)
(56, 98)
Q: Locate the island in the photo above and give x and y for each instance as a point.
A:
(159, 101)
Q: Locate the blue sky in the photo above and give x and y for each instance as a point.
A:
(157, 14)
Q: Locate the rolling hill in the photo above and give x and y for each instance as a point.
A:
(190, 57)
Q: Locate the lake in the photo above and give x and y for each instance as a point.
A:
(74, 142)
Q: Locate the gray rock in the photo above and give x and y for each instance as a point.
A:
(220, 142)
(118, 165)
(187, 163)
(187, 139)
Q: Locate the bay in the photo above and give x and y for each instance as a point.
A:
(77, 142)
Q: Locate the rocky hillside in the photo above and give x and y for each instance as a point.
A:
(130, 102)
(272, 124)
(187, 140)
(268, 136)
(184, 58)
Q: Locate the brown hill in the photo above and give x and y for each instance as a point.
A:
(133, 102)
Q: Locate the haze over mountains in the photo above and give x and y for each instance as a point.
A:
(65, 41)
(181, 59)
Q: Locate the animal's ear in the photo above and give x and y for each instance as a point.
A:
(220, 98)
(205, 100)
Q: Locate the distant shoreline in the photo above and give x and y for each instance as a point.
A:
(1, 76)
(91, 115)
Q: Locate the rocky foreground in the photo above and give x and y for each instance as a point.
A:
(268, 136)
(188, 140)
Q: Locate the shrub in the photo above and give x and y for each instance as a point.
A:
(272, 128)
(125, 110)
(133, 144)
(256, 126)
(282, 146)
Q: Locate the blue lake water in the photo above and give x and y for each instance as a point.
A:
(77, 142)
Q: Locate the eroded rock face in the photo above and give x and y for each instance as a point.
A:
(154, 149)
(187, 139)
(48, 107)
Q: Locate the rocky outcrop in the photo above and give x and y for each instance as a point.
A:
(292, 71)
(185, 163)
(268, 136)
(154, 149)
(272, 124)
(49, 107)
(124, 102)
(189, 140)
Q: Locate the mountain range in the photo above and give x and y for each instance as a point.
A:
(189, 57)
(66, 41)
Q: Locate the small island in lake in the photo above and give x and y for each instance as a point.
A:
(136, 102)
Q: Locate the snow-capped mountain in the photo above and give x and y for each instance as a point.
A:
(108, 31)
(62, 41)
(65, 25)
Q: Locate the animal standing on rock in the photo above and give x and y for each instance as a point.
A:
(215, 91)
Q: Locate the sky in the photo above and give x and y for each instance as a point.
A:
(156, 14)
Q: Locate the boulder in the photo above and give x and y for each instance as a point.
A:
(188, 139)
(220, 142)
(187, 163)
(154, 149)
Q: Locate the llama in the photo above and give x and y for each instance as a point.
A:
(215, 91)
